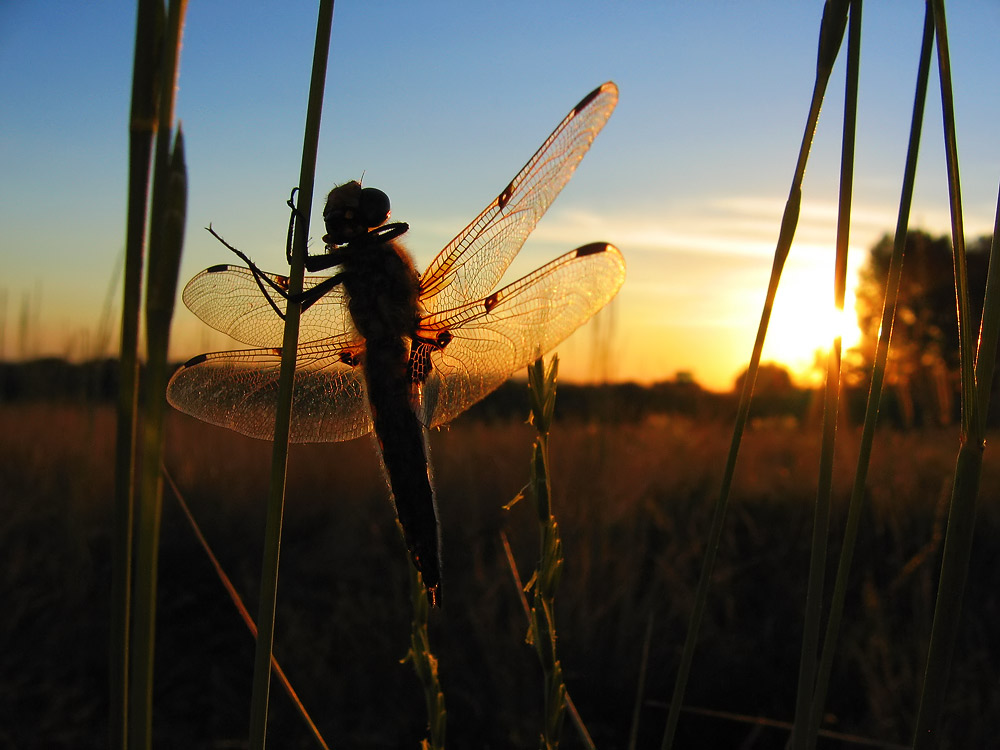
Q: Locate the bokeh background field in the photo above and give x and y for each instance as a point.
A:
(633, 501)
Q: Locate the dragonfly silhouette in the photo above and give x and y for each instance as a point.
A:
(383, 348)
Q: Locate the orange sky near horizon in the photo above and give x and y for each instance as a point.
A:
(688, 179)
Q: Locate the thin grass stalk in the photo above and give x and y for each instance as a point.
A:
(237, 601)
(843, 739)
(574, 715)
(875, 389)
(968, 469)
(142, 126)
(640, 688)
(167, 217)
(279, 457)
(830, 37)
(831, 406)
(990, 328)
(545, 581)
(970, 409)
(425, 664)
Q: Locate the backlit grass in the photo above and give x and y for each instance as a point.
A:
(344, 612)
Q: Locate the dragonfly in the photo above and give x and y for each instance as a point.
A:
(384, 349)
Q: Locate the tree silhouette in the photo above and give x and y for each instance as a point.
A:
(923, 365)
(772, 380)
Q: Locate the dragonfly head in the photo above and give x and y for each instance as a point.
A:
(351, 211)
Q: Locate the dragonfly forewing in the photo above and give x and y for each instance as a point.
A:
(230, 299)
(472, 264)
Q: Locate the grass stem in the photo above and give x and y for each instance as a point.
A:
(167, 219)
(875, 389)
(425, 664)
(831, 407)
(968, 469)
(142, 127)
(574, 714)
(241, 608)
(279, 458)
(543, 584)
(830, 37)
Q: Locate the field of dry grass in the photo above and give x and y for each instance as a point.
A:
(633, 503)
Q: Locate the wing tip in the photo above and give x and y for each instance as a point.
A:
(593, 248)
(608, 87)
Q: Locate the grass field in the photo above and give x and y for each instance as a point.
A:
(633, 503)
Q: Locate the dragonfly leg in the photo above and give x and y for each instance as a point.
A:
(308, 297)
(259, 276)
(291, 223)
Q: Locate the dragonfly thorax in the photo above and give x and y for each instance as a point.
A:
(382, 288)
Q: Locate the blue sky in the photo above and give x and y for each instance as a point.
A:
(440, 103)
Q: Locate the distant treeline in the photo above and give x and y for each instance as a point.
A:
(97, 382)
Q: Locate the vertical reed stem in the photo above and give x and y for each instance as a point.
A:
(425, 664)
(279, 457)
(875, 389)
(968, 469)
(831, 408)
(542, 628)
(167, 217)
(142, 127)
(831, 34)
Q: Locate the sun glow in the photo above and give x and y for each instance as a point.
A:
(804, 323)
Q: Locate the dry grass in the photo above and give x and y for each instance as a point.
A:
(633, 506)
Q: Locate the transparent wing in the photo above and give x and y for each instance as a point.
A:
(239, 390)
(472, 264)
(481, 344)
(228, 298)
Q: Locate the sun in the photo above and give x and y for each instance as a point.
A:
(804, 323)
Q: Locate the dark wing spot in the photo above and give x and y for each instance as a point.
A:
(350, 358)
(592, 249)
(504, 198)
(195, 360)
(276, 352)
(443, 339)
(587, 100)
(490, 302)
(217, 269)
(281, 281)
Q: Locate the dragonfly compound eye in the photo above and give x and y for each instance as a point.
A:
(374, 207)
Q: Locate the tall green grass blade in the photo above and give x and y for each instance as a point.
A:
(831, 406)
(830, 37)
(167, 217)
(990, 328)
(968, 469)
(875, 389)
(951, 588)
(970, 410)
(142, 126)
(166, 242)
(279, 458)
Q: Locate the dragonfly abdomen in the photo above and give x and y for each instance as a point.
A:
(404, 454)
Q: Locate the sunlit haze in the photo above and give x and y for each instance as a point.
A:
(440, 104)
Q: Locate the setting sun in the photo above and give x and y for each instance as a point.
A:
(805, 321)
